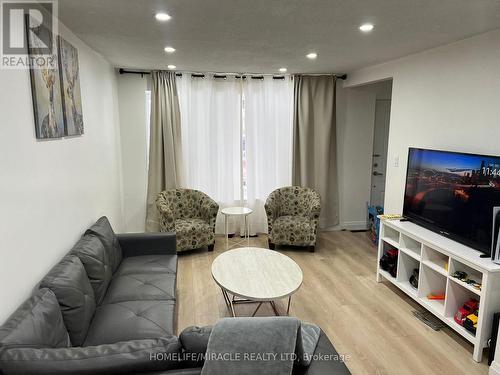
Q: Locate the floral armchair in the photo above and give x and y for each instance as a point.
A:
(191, 214)
(293, 216)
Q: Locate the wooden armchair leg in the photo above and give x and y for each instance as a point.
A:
(312, 249)
(271, 245)
(211, 247)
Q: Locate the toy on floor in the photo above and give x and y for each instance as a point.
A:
(467, 309)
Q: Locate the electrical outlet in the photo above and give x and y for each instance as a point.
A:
(396, 161)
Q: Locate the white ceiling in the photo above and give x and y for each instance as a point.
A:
(260, 36)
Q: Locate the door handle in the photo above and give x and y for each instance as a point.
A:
(377, 174)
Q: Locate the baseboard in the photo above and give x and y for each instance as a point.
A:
(331, 229)
(495, 368)
(354, 225)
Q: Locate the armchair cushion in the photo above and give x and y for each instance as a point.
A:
(293, 230)
(193, 233)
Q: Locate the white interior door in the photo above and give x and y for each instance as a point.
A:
(380, 142)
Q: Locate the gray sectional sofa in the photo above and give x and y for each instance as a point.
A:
(108, 307)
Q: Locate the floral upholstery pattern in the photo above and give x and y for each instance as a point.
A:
(191, 214)
(293, 216)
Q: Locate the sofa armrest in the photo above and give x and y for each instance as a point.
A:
(194, 341)
(326, 360)
(118, 358)
(134, 244)
(209, 210)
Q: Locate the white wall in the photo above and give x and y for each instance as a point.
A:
(131, 99)
(444, 98)
(355, 127)
(50, 191)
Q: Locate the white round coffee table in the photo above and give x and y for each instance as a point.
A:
(252, 274)
(241, 212)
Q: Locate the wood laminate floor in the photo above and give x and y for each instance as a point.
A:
(370, 322)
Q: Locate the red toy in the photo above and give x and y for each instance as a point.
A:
(438, 296)
(468, 308)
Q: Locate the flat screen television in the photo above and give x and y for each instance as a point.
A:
(453, 194)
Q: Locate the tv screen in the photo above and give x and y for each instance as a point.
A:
(453, 194)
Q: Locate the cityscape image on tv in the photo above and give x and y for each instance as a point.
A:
(455, 192)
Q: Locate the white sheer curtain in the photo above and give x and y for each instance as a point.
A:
(268, 140)
(237, 140)
(211, 137)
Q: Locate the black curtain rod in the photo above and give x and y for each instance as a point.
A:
(200, 75)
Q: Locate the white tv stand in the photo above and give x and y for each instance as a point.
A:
(437, 258)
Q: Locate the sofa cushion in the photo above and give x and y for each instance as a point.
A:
(148, 264)
(102, 229)
(96, 261)
(292, 230)
(69, 282)
(140, 287)
(131, 320)
(129, 357)
(37, 323)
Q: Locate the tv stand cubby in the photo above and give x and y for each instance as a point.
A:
(437, 258)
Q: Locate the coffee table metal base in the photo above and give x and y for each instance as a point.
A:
(231, 301)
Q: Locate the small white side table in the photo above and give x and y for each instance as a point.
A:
(236, 211)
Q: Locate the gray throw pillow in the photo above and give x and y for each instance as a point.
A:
(102, 229)
(69, 282)
(95, 259)
(37, 323)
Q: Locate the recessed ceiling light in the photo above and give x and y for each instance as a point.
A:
(162, 16)
(171, 67)
(169, 49)
(312, 55)
(366, 27)
(283, 70)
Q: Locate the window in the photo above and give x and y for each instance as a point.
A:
(236, 139)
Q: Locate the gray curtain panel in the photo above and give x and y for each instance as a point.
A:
(165, 164)
(314, 143)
